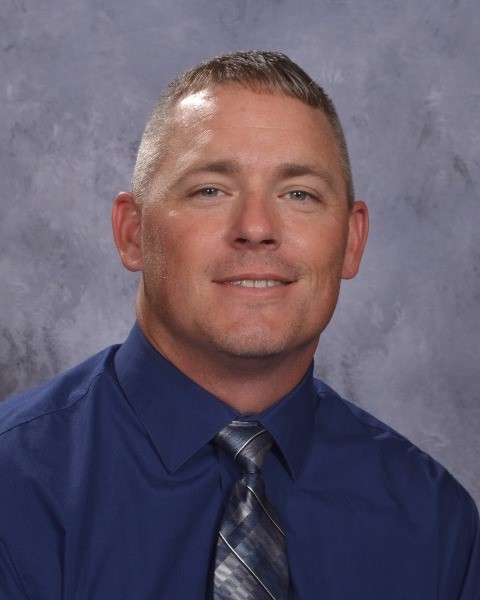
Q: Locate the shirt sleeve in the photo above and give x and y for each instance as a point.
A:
(471, 583)
(459, 547)
(11, 587)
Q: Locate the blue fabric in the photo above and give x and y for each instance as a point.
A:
(110, 488)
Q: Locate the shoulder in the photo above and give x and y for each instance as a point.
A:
(340, 414)
(355, 420)
(399, 491)
(51, 436)
(385, 457)
(58, 394)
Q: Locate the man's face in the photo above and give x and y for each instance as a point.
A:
(245, 234)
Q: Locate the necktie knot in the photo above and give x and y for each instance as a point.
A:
(247, 443)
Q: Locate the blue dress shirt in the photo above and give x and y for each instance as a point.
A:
(111, 489)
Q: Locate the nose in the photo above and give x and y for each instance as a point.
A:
(256, 223)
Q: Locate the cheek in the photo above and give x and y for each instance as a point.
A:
(154, 249)
(178, 251)
(322, 252)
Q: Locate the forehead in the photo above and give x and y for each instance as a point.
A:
(229, 105)
(258, 130)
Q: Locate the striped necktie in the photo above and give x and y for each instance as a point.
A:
(250, 562)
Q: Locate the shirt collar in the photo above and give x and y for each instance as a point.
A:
(181, 417)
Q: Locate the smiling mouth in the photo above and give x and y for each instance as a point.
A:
(258, 283)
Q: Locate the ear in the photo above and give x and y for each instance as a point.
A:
(357, 238)
(126, 224)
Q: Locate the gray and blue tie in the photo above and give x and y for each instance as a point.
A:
(250, 561)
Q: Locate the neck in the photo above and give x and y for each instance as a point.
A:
(247, 384)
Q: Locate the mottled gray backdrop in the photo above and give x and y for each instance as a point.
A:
(78, 80)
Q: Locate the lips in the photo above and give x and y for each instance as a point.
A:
(257, 283)
(258, 280)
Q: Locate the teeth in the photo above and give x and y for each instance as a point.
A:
(257, 283)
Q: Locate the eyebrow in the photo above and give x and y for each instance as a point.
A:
(291, 170)
(222, 167)
(282, 171)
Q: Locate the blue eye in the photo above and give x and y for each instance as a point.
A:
(299, 195)
(209, 192)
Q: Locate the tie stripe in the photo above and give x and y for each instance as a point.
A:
(247, 443)
(244, 564)
(266, 511)
(250, 562)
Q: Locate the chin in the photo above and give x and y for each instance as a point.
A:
(252, 352)
(259, 344)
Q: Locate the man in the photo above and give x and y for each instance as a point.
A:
(117, 476)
